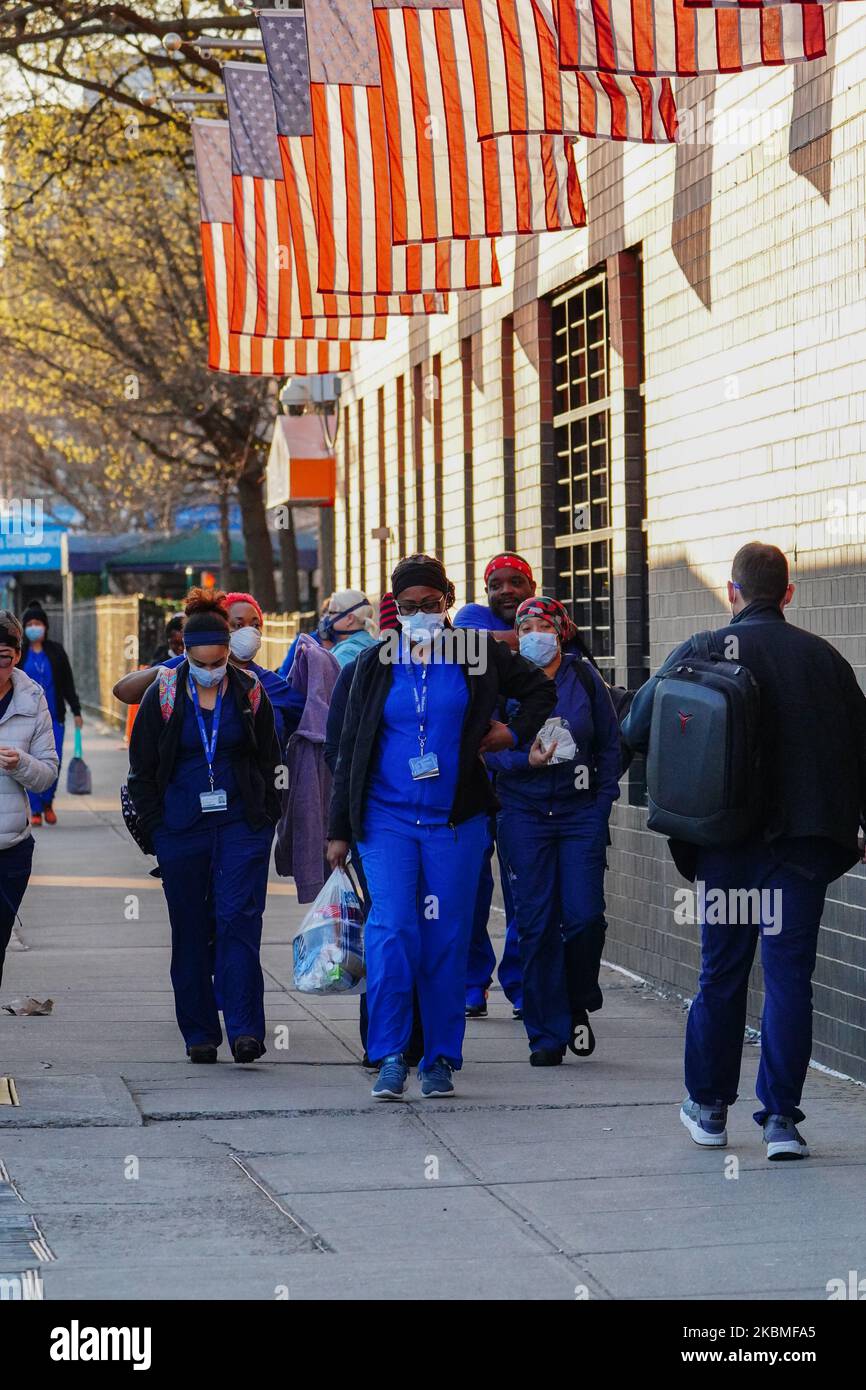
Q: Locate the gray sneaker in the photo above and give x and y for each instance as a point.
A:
(783, 1139)
(705, 1123)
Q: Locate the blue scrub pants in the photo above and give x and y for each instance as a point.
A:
(215, 877)
(423, 882)
(15, 865)
(557, 865)
(801, 871)
(39, 800)
(482, 957)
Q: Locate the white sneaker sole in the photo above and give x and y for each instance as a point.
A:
(700, 1136)
(388, 1095)
(787, 1149)
(434, 1095)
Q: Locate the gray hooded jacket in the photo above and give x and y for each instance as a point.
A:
(26, 725)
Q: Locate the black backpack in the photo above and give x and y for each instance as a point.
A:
(703, 761)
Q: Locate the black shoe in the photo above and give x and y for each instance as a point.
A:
(477, 1010)
(247, 1049)
(546, 1057)
(202, 1052)
(580, 1026)
(517, 1013)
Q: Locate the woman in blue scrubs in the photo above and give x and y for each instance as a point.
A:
(411, 790)
(45, 661)
(202, 780)
(553, 832)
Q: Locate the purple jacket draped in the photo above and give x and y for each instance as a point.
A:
(301, 838)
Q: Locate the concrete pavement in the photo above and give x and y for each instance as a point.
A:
(126, 1173)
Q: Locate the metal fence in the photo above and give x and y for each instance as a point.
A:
(109, 636)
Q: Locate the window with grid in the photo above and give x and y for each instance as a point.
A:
(581, 434)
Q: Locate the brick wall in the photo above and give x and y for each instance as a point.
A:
(739, 393)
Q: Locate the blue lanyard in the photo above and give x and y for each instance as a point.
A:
(209, 745)
(420, 704)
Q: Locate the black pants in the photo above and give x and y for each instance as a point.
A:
(415, 1050)
(15, 865)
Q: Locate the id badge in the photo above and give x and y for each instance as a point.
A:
(213, 801)
(427, 765)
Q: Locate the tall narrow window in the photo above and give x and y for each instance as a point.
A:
(362, 505)
(383, 498)
(418, 450)
(347, 496)
(509, 486)
(468, 472)
(401, 466)
(581, 432)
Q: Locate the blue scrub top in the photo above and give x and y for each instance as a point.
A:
(480, 616)
(181, 805)
(392, 787)
(37, 666)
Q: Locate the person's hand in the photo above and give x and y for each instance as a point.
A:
(509, 637)
(78, 721)
(9, 758)
(337, 853)
(497, 738)
(537, 755)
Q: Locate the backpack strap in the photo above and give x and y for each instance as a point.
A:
(706, 645)
(255, 693)
(167, 691)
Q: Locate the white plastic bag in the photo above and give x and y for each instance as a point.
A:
(557, 731)
(329, 948)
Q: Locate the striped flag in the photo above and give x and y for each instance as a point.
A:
(285, 41)
(667, 38)
(444, 183)
(340, 201)
(266, 300)
(241, 352)
(746, 4)
(521, 88)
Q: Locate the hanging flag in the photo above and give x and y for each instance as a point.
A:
(340, 205)
(666, 38)
(241, 353)
(746, 4)
(265, 294)
(521, 88)
(285, 42)
(444, 183)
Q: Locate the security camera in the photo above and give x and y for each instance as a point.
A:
(296, 392)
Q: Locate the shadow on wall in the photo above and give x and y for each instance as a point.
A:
(693, 187)
(810, 136)
(643, 934)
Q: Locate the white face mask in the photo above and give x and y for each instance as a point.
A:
(205, 676)
(245, 642)
(422, 625)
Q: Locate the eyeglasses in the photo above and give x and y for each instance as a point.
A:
(429, 605)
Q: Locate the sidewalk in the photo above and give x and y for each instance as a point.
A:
(149, 1178)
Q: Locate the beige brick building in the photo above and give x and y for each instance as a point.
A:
(639, 398)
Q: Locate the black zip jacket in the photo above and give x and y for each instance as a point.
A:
(812, 729)
(501, 675)
(64, 683)
(154, 743)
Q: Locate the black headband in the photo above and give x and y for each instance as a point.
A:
(430, 573)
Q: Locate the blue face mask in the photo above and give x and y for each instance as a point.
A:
(205, 676)
(539, 647)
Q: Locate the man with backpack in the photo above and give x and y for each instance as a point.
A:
(755, 737)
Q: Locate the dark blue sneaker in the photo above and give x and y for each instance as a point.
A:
(706, 1123)
(392, 1078)
(436, 1080)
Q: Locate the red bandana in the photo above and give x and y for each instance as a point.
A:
(508, 562)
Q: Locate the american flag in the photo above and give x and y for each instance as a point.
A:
(746, 4)
(444, 183)
(668, 38)
(285, 41)
(354, 254)
(521, 88)
(241, 352)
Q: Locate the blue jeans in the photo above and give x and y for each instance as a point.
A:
(557, 863)
(482, 957)
(215, 879)
(423, 880)
(799, 871)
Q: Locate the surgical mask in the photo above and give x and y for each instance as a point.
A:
(421, 624)
(34, 632)
(204, 676)
(539, 647)
(245, 642)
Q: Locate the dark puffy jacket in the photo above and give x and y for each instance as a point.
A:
(813, 729)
